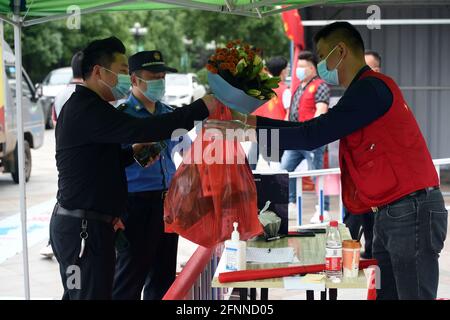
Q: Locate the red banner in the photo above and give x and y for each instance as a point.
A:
(294, 31)
(293, 27)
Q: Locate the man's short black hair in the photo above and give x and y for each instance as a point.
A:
(374, 54)
(77, 59)
(342, 31)
(308, 56)
(100, 52)
(276, 65)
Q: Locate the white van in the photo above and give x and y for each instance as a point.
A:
(33, 117)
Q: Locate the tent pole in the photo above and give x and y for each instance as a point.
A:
(21, 151)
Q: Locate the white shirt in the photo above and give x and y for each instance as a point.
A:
(63, 96)
(286, 98)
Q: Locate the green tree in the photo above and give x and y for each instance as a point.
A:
(165, 33)
(267, 33)
(52, 45)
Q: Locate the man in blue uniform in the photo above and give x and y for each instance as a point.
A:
(149, 262)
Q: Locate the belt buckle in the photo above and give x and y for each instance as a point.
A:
(374, 209)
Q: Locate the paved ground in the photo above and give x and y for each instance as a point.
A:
(44, 279)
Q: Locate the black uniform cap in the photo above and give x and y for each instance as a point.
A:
(148, 60)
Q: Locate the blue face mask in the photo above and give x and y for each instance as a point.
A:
(300, 73)
(121, 89)
(329, 76)
(155, 89)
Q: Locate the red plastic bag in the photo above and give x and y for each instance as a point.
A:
(211, 189)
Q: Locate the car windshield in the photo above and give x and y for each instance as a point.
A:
(177, 79)
(59, 77)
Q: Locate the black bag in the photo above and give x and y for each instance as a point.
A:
(274, 188)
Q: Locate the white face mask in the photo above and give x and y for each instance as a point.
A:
(329, 76)
(300, 72)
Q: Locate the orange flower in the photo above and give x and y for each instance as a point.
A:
(211, 68)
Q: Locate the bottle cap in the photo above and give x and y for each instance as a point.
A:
(334, 223)
(235, 233)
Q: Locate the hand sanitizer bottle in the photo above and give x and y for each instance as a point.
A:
(235, 252)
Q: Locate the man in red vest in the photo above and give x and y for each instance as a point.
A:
(385, 164)
(364, 222)
(310, 99)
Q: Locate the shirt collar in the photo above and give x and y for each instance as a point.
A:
(358, 75)
(137, 105)
(83, 89)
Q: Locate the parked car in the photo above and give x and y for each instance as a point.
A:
(182, 89)
(53, 83)
(33, 118)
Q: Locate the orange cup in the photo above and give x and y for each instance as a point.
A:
(351, 250)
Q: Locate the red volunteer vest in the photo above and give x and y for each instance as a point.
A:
(274, 108)
(307, 106)
(386, 160)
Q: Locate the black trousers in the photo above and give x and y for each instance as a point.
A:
(149, 261)
(355, 222)
(91, 276)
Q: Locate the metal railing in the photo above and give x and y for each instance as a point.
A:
(194, 282)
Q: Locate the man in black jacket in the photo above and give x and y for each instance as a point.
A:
(92, 187)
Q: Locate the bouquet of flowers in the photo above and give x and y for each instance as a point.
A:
(238, 78)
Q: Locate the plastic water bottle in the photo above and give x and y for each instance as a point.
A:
(333, 256)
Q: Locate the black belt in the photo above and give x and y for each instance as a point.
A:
(413, 194)
(151, 195)
(84, 214)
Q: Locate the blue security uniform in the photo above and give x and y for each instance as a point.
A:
(149, 261)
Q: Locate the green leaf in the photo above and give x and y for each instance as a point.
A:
(253, 92)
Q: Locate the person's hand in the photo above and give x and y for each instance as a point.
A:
(237, 115)
(225, 125)
(211, 103)
(118, 224)
(230, 130)
(138, 147)
(151, 161)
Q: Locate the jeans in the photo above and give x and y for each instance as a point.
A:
(408, 237)
(292, 158)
